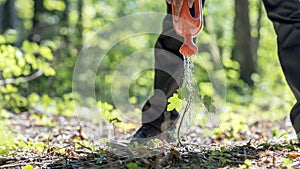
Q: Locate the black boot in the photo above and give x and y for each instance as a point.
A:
(147, 131)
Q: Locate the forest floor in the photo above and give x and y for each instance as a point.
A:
(66, 145)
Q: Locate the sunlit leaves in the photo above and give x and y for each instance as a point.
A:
(174, 103)
(46, 52)
(133, 165)
(27, 166)
(7, 138)
(107, 111)
(63, 106)
(247, 164)
(2, 1)
(58, 5)
(30, 47)
(17, 64)
(24, 8)
(2, 39)
(48, 71)
(286, 161)
(11, 35)
(25, 14)
(208, 103)
(114, 120)
(231, 125)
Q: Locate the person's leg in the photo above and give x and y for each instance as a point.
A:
(285, 15)
(168, 78)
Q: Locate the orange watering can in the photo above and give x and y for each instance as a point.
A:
(188, 26)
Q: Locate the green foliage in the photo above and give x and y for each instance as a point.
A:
(2, 1)
(287, 161)
(247, 164)
(61, 35)
(232, 125)
(38, 147)
(9, 143)
(174, 103)
(58, 105)
(111, 115)
(133, 165)
(208, 103)
(108, 112)
(58, 5)
(28, 166)
(16, 63)
(7, 139)
(43, 120)
(17, 67)
(84, 144)
(286, 147)
(50, 38)
(222, 154)
(114, 120)
(276, 132)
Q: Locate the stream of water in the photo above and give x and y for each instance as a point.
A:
(189, 90)
(189, 76)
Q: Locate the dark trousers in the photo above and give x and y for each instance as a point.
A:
(285, 15)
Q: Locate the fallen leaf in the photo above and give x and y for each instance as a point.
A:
(262, 154)
(71, 153)
(280, 148)
(175, 153)
(293, 155)
(141, 150)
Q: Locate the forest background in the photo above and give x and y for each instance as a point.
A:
(40, 42)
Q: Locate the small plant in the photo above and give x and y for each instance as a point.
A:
(7, 140)
(247, 164)
(286, 161)
(232, 125)
(133, 165)
(84, 144)
(222, 155)
(37, 147)
(27, 166)
(174, 103)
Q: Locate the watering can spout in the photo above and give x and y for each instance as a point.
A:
(188, 26)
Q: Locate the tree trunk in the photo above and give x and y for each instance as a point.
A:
(79, 24)
(66, 21)
(9, 18)
(257, 26)
(38, 10)
(243, 50)
(36, 31)
(1, 18)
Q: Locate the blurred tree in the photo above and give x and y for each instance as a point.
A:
(242, 51)
(8, 15)
(232, 35)
(37, 25)
(79, 24)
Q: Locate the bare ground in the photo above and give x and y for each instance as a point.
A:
(68, 144)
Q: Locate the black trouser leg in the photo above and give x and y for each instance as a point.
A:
(168, 75)
(285, 15)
